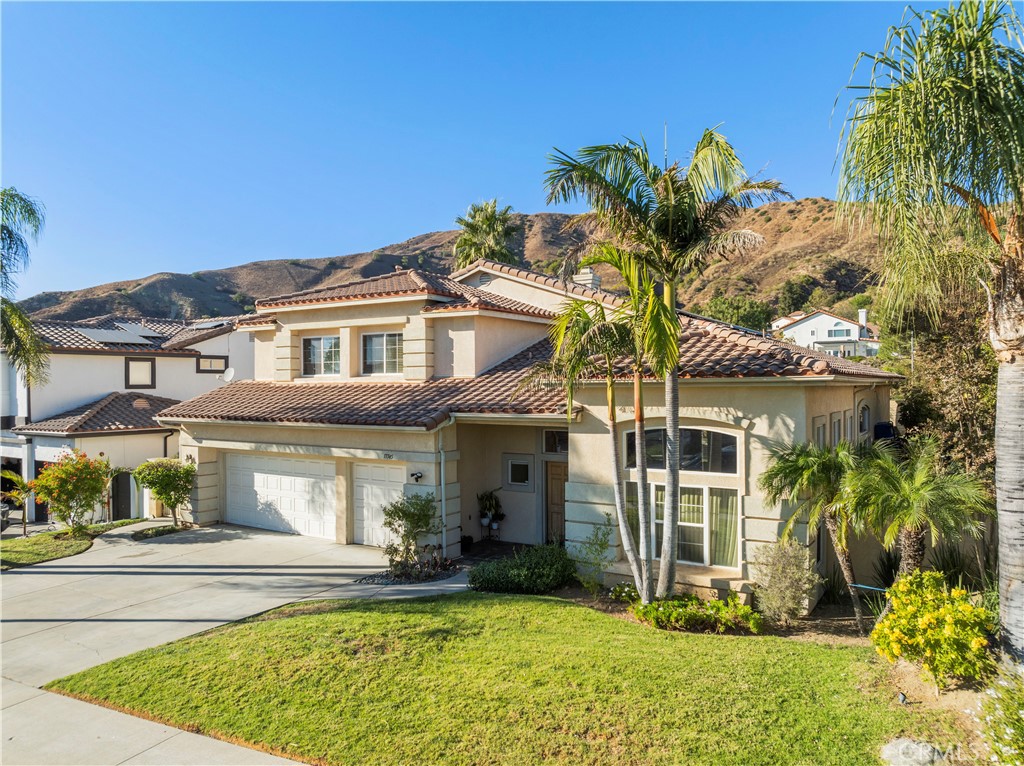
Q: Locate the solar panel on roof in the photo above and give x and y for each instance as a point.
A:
(208, 325)
(113, 336)
(140, 329)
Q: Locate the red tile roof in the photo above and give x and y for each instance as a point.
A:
(423, 405)
(164, 336)
(114, 413)
(570, 288)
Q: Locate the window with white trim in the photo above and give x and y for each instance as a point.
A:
(321, 356)
(700, 450)
(382, 353)
(708, 528)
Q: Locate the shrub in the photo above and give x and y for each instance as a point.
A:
(784, 580)
(690, 613)
(1002, 719)
(540, 569)
(409, 519)
(937, 626)
(169, 479)
(73, 487)
(625, 592)
(592, 555)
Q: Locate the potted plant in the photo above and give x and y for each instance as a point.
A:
(490, 508)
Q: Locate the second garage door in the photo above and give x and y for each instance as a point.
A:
(374, 485)
(282, 494)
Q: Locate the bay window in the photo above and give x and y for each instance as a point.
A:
(708, 527)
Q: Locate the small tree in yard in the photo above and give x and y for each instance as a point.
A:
(784, 580)
(170, 480)
(409, 519)
(73, 487)
(591, 556)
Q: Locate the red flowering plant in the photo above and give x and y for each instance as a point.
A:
(73, 487)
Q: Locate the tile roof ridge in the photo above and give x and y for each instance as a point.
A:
(767, 345)
(566, 286)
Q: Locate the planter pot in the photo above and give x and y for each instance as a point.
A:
(494, 525)
(485, 521)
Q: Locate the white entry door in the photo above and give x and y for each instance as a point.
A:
(283, 494)
(374, 485)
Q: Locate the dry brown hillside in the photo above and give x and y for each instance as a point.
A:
(801, 239)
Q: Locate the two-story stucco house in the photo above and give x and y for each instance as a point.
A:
(411, 382)
(108, 377)
(830, 333)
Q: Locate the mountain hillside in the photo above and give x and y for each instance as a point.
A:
(801, 243)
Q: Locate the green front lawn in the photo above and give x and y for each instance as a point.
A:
(47, 546)
(478, 678)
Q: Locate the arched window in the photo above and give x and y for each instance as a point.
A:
(865, 418)
(699, 450)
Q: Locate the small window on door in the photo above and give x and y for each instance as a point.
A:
(556, 442)
(140, 373)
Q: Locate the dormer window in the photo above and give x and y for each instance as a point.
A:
(321, 356)
(382, 353)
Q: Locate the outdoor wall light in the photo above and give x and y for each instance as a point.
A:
(417, 475)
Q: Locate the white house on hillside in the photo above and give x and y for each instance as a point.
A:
(830, 333)
(108, 377)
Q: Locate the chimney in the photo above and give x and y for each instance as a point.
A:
(862, 317)
(587, 277)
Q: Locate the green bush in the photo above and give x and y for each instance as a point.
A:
(1002, 719)
(592, 555)
(784, 581)
(409, 519)
(937, 626)
(625, 592)
(169, 479)
(692, 614)
(73, 487)
(540, 569)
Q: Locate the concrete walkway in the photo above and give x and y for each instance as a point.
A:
(122, 596)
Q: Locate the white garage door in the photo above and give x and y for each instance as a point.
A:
(374, 485)
(283, 494)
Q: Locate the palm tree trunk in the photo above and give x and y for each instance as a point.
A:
(1006, 331)
(846, 566)
(643, 490)
(625, 535)
(670, 529)
(1010, 505)
(912, 545)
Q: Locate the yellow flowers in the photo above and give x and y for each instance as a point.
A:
(936, 626)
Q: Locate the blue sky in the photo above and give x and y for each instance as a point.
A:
(181, 137)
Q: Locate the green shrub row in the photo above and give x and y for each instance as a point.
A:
(540, 569)
(695, 615)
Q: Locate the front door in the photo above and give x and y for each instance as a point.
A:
(121, 496)
(557, 476)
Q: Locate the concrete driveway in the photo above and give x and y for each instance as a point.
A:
(122, 596)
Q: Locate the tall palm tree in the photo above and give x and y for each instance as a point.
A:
(676, 220)
(904, 495)
(22, 220)
(934, 143)
(487, 232)
(814, 478)
(587, 343)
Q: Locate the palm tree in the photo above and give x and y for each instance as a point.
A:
(586, 343)
(675, 220)
(23, 219)
(487, 232)
(18, 494)
(934, 143)
(904, 495)
(814, 477)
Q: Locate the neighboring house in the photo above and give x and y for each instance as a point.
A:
(412, 382)
(834, 335)
(108, 377)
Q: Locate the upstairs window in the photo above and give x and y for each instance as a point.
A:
(699, 450)
(321, 356)
(140, 373)
(211, 364)
(382, 353)
(839, 333)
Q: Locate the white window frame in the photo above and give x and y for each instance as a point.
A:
(302, 355)
(706, 499)
(384, 336)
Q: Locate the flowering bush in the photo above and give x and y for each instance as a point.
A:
(693, 614)
(72, 487)
(625, 592)
(937, 626)
(1002, 719)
